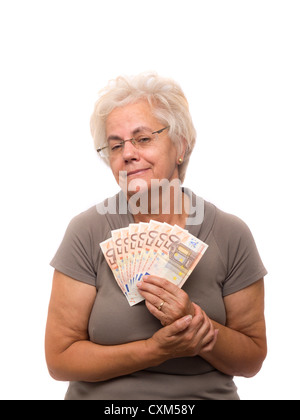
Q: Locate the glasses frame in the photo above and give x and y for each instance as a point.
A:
(132, 141)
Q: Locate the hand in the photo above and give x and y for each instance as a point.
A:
(164, 300)
(186, 337)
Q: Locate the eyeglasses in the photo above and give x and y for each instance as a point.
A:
(142, 141)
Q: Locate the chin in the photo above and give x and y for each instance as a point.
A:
(138, 185)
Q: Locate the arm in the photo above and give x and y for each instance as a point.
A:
(71, 356)
(240, 348)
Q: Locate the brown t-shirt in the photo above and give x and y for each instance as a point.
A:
(230, 264)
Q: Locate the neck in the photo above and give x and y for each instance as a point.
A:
(166, 206)
(171, 219)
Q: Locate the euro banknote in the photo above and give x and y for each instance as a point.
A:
(152, 248)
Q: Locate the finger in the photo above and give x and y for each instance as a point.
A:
(157, 296)
(198, 310)
(155, 301)
(163, 283)
(174, 296)
(179, 325)
(208, 337)
(151, 289)
(201, 326)
(159, 314)
(206, 327)
(209, 347)
(206, 332)
(199, 316)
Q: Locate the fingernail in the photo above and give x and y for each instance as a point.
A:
(188, 319)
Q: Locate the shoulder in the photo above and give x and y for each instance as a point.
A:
(231, 234)
(229, 224)
(99, 220)
(236, 247)
(89, 225)
(88, 218)
(222, 224)
(101, 214)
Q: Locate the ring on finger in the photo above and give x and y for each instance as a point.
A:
(160, 306)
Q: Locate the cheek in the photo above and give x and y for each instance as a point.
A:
(165, 169)
(166, 159)
(115, 170)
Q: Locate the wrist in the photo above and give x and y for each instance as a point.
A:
(154, 352)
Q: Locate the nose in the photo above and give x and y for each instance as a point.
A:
(129, 152)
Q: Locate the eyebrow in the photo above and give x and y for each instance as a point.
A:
(134, 132)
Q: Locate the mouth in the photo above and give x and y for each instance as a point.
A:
(137, 172)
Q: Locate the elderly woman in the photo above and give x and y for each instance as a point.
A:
(180, 343)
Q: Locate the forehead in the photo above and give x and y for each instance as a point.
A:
(126, 119)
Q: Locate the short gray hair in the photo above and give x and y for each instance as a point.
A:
(166, 99)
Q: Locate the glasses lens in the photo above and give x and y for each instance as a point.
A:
(144, 139)
(104, 153)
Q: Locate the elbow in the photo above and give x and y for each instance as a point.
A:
(55, 376)
(56, 368)
(251, 372)
(62, 370)
(56, 373)
(252, 369)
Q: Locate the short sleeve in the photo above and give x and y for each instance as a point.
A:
(240, 254)
(74, 256)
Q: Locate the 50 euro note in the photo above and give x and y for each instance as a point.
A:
(153, 238)
(109, 251)
(174, 254)
(151, 248)
(148, 253)
(125, 249)
(178, 256)
(120, 252)
(142, 244)
(139, 256)
(132, 242)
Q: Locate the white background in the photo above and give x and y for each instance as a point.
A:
(238, 63)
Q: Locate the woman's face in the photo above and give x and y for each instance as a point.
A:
(158, 161)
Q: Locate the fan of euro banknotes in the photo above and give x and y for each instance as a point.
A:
(151, 248)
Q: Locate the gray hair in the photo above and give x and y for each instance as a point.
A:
(167, 101)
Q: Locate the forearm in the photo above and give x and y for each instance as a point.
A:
(235, 354)
(90, 362)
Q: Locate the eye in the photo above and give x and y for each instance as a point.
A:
(115, 147)
(143, 139)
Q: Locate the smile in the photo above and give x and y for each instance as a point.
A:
(137, 172)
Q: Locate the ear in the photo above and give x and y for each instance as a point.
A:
(181, 151)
